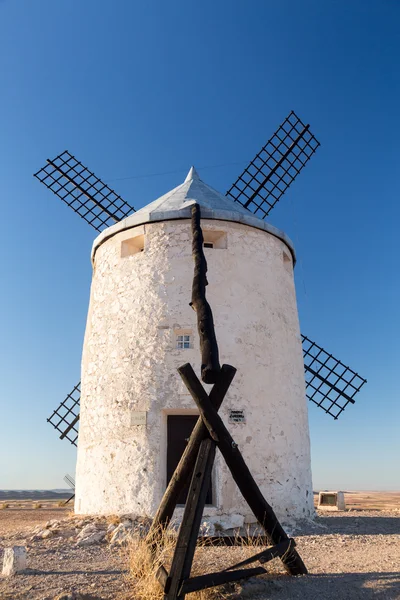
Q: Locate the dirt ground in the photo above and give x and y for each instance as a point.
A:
(350, 555)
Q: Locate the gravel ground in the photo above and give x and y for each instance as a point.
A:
(350, 555)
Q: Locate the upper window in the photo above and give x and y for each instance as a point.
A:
(215, 239)
(132, 246)
(183, 341)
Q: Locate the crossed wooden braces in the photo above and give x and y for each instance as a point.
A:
(198, 458)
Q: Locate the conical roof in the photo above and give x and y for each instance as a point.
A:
(177, 204)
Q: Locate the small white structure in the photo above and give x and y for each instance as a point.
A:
(136, 412)
(331, 501)
(14, 560)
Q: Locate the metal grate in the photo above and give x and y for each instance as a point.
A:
(275, 167)
(65, 418)
(82, 191)
(329, 383)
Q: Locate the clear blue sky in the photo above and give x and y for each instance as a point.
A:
(137, 88)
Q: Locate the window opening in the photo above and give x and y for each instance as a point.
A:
(183, 341)
(132, 246)
(215, 239)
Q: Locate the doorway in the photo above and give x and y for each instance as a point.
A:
(179, 428)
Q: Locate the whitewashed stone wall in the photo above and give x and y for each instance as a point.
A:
(129, 363)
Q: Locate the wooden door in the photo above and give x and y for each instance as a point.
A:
(179, 428)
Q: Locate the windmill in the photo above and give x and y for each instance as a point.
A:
(330, 384)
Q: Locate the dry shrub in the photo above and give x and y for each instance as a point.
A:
(143, 570)
(61, 503)
(4, 505)
(113, 519)
(36, 505)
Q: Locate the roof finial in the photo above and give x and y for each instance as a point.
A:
(193, 174)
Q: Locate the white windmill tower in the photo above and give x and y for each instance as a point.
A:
(134, 413)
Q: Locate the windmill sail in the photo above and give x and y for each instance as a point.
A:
(70, 481)
(330, 384)
(82, 191)
(66, 416)
(275, 167)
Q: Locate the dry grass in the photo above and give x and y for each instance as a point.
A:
(36, 505)
(4, 505)
(113, 519)
(143, 569)
(208, 558)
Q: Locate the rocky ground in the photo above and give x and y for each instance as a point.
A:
(350, 555)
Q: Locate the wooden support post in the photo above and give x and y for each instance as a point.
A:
(186, 463)
(189, 529)
(205, 324)
(240, 472)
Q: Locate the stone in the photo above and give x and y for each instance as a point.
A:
(79, 523)
(91, 528)
(52, 523)
(14, 560)
(250, 519)
(92, 538)
(46, 534)
(127, 523)
(37, 529)
(207, 529)
(90, 535)
(120, 535)
(224, 522)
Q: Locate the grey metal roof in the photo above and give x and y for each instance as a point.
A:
(177, 203)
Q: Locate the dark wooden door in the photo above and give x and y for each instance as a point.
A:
(179, 428)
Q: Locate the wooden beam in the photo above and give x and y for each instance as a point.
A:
(186, 464)
(266, 555)
(189, 529)
(263, 512)
(211, 579)
(205, 322)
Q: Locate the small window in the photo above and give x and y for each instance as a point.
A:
(183, 341)
(132, 246)
(215, 239)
